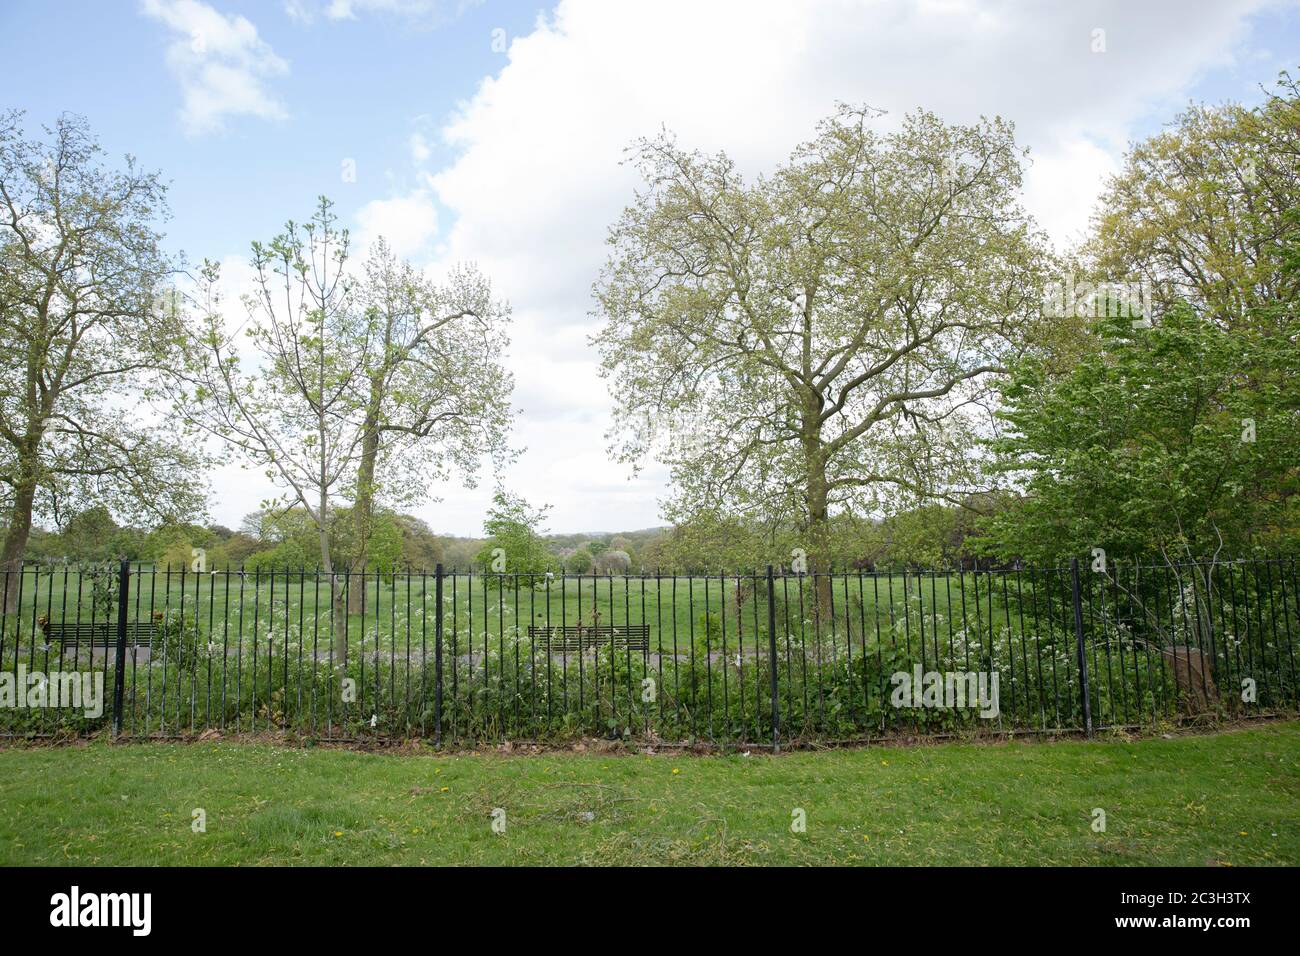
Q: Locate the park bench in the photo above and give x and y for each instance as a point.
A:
(99, 634)
(586, 637)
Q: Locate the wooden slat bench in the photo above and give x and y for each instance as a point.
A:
(588, 637)
(100, 633)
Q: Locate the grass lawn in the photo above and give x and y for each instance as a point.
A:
(227, 606)
(1231, 798)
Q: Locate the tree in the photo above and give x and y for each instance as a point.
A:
(421, 548)
(515, 546)
(929, 536)
(713, 541)
(432, 393)
(286, 538)
(1178, 437)
(1154, 443)
(294, 414)
(827, 337)
(579, 562)
(89, 535)
(85, 331)
(1205, 213)
(611, 561)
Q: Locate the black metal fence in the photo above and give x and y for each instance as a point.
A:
(761, 658)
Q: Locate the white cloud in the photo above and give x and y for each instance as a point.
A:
(427, 12)
(408, 222)
(537, 180)
(221, 63)
(420, 149)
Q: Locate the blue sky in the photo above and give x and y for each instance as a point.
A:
(354, 89)
(506, 153)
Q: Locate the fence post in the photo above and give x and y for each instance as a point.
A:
(1078, 637)
(437, 657)
(119, 674)
(771, 660)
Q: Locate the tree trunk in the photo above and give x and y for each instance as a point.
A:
(818, 493)
(15, 543)
(819, 553)
(337, 587)
(363, 511)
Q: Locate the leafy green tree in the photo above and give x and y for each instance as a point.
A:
(1205, 212)
(88, 535)
(826, 337)
(421, 548)
(580, 562)
(286, 539)
(85, 326)
(1161, 441)
(515, 545)
(461, 553)
(928, 536)
(1179, 437)
(384, 549)
(718, 540)
(172, 545)
(611, 561)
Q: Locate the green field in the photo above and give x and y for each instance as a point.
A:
(226, 606)
(1227, 799)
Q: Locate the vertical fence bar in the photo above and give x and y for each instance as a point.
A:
(437, 656)
(1078, 636)
(119, 675)
(771, 660)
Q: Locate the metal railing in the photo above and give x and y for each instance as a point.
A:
(761, 658)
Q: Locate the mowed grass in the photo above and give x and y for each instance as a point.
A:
(1227, 799)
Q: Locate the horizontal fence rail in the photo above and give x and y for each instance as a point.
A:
(756, 657)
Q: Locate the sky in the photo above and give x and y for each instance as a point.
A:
(492, 132)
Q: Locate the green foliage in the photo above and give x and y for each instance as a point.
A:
(928, 536)
(104, 580)
(87, 326)
(1180, 437)
(1205, 211)
(178, 643)
(515, 546)
(838, 325)
(579, 562)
